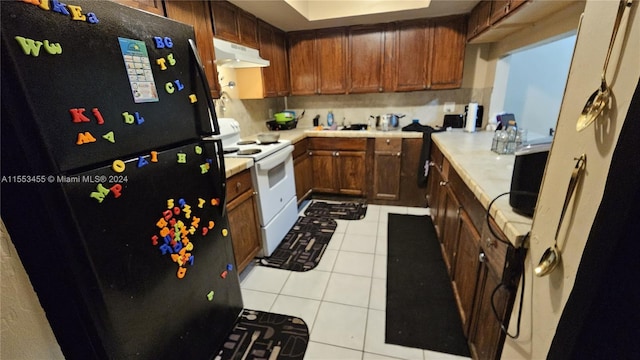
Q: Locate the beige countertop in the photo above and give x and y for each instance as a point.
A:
(487, 174)
(233, 166)
(297, 134)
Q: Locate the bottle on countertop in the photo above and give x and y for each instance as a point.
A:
(512, 131)
(330, 118)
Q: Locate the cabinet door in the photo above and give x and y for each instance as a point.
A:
(324, 171)
(450, 232)
(410, 193)
(479, 19)
(387, 163)
(447, 57)
(351, 172)
(245, 233)
(332, 60)
(412, 52)
(303, 169)
(197, 14)
(266, 37)
(465, 276)
(280, 63)
(302, 62)
(247, 29)
(486, 337)
(366, 54)
(225, 20)
(499, 9)
(386, 183)
(152, 6)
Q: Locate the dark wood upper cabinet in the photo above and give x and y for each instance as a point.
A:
(479, 18)
(332, 60)
(234, 24)
(152, 6)
(280, 62)
(302, 62)
(366, 58)
(413, 44)
(225, 21)
(447, 56)
(197, 14)
(267, 51)
(248, 29)
(499, 9)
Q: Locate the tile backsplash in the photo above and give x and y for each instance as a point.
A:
(426, 106)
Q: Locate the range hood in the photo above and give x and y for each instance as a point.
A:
(237, 56)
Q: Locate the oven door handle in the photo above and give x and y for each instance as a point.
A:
(274, 160)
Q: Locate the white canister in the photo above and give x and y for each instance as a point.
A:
(472, 116)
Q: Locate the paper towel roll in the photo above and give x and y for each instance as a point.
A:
(472, 115)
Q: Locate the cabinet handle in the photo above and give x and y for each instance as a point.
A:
(238, 185)
(388, 141)
(443, 183)
(482, 257)
(398, 154)
(380, 89)
(310, 153)
(490, 242)
(432, 164)
(336, 153)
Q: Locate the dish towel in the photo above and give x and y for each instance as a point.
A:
(423, 166)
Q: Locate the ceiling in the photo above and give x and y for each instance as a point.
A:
(288, 14)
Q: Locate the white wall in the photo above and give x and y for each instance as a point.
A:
(535, 83)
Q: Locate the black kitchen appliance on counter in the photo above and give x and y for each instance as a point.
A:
(528, 170)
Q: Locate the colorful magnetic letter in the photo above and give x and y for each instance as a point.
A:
(118, 166)
(182, 158)
(77, 115)
(193, 98)
(116, 190)
(29, 46)
(109, 137)
(198, 149)
(98, 116)
(85, 138)
(154, 156)
(100, 193)
(142, 162)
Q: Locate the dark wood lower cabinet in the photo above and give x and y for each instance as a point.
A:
(303, 169)
(486, 337)
(243, 219)
(484, 271)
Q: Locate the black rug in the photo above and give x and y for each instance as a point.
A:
(261, 335)
(421, 308)
(303, 246)
(342, 210)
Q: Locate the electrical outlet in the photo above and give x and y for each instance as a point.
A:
(449, 107)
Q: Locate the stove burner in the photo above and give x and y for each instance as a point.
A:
(268, 143)
(249, 151)
(230, 150)
(246, 142)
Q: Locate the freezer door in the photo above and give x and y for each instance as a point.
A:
(156, 238)
(101, 82)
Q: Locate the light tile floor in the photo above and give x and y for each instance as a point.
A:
(342, 300)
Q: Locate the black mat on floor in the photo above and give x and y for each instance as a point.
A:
(342, 210)
(261, 335)
(303, 246)
(421, 308)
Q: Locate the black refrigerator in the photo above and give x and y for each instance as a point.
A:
(111, 191)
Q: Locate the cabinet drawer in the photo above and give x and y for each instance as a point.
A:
(468, 200)
(389, 144)
(495, 250)
(338, 144)
(238, 184)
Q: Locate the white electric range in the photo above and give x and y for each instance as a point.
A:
(273, 180)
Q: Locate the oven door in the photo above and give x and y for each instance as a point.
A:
(274, 181)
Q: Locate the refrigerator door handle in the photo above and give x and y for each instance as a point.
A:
(205, 84)
(223, 176)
